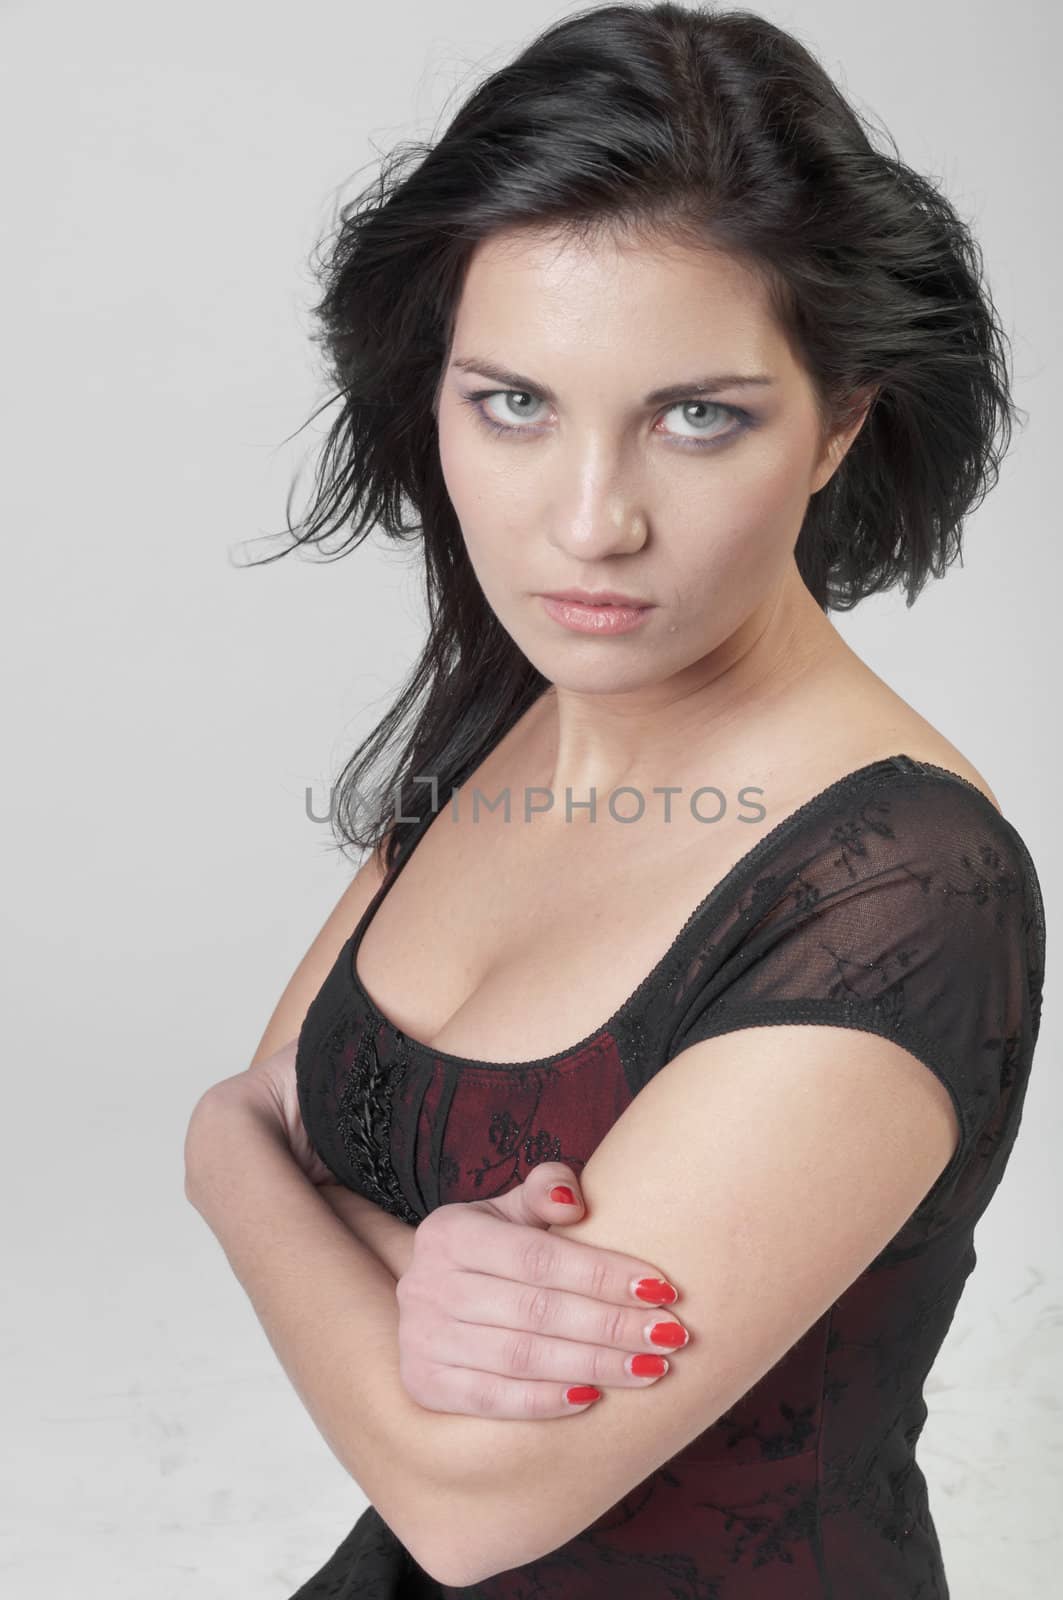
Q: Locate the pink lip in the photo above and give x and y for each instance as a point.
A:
(595, 597)
(600, 619)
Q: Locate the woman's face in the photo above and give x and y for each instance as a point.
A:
(568, 472)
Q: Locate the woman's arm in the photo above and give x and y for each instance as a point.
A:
(389, 1238)
(327, 1305)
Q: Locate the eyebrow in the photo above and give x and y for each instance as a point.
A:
(671, 392)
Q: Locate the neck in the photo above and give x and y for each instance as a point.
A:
(653, 736)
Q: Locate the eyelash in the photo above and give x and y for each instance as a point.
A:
(742, 418)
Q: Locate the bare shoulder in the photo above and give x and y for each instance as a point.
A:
(888, 724)
(847, 715)
(939, 752)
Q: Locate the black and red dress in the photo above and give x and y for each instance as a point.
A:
(897, 901)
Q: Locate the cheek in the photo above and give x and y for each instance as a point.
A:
(475, 491)
(749, 507)
(770, 483)
(469, 494)
(740, 544)
(453, 461)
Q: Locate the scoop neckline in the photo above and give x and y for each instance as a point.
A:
(884, 765)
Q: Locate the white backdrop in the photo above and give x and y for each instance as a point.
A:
(167, 173)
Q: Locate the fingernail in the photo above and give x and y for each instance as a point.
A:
(563, 1194)
(671, 1334)
(582, 1394)
(647, 1366)
(655, 1290)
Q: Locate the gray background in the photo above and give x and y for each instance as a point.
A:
(168, 171)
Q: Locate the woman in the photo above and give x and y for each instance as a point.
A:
(654, 319)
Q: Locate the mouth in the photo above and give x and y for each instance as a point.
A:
(596, 597)
(597, 617)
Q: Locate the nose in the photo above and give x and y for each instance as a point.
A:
(600, 519)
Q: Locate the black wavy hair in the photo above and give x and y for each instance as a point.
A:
(665, 123)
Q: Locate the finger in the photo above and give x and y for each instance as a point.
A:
(463, 1391)
(551, 1193)
(516, 1353)
(554, 1315)
(481, 1242)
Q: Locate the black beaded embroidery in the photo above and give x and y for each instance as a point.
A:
(365, 1125)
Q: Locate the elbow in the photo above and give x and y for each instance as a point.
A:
(451, 1573)
(437, 1555)
(460, 1540)
(466, 1533)
(465, 1548)
(436, 1526)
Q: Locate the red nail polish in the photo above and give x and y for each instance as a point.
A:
(582, 1394)
(648, 1366)
(671, 1334)
(563, 1194)
(655, 1290)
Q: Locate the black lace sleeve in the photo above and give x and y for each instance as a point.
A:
(917, 917)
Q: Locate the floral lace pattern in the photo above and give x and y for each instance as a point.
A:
(897, 902)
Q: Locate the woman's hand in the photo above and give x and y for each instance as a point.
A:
(274, 1080)
(499, 1318)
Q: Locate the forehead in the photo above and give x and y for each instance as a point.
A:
(536, 294)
